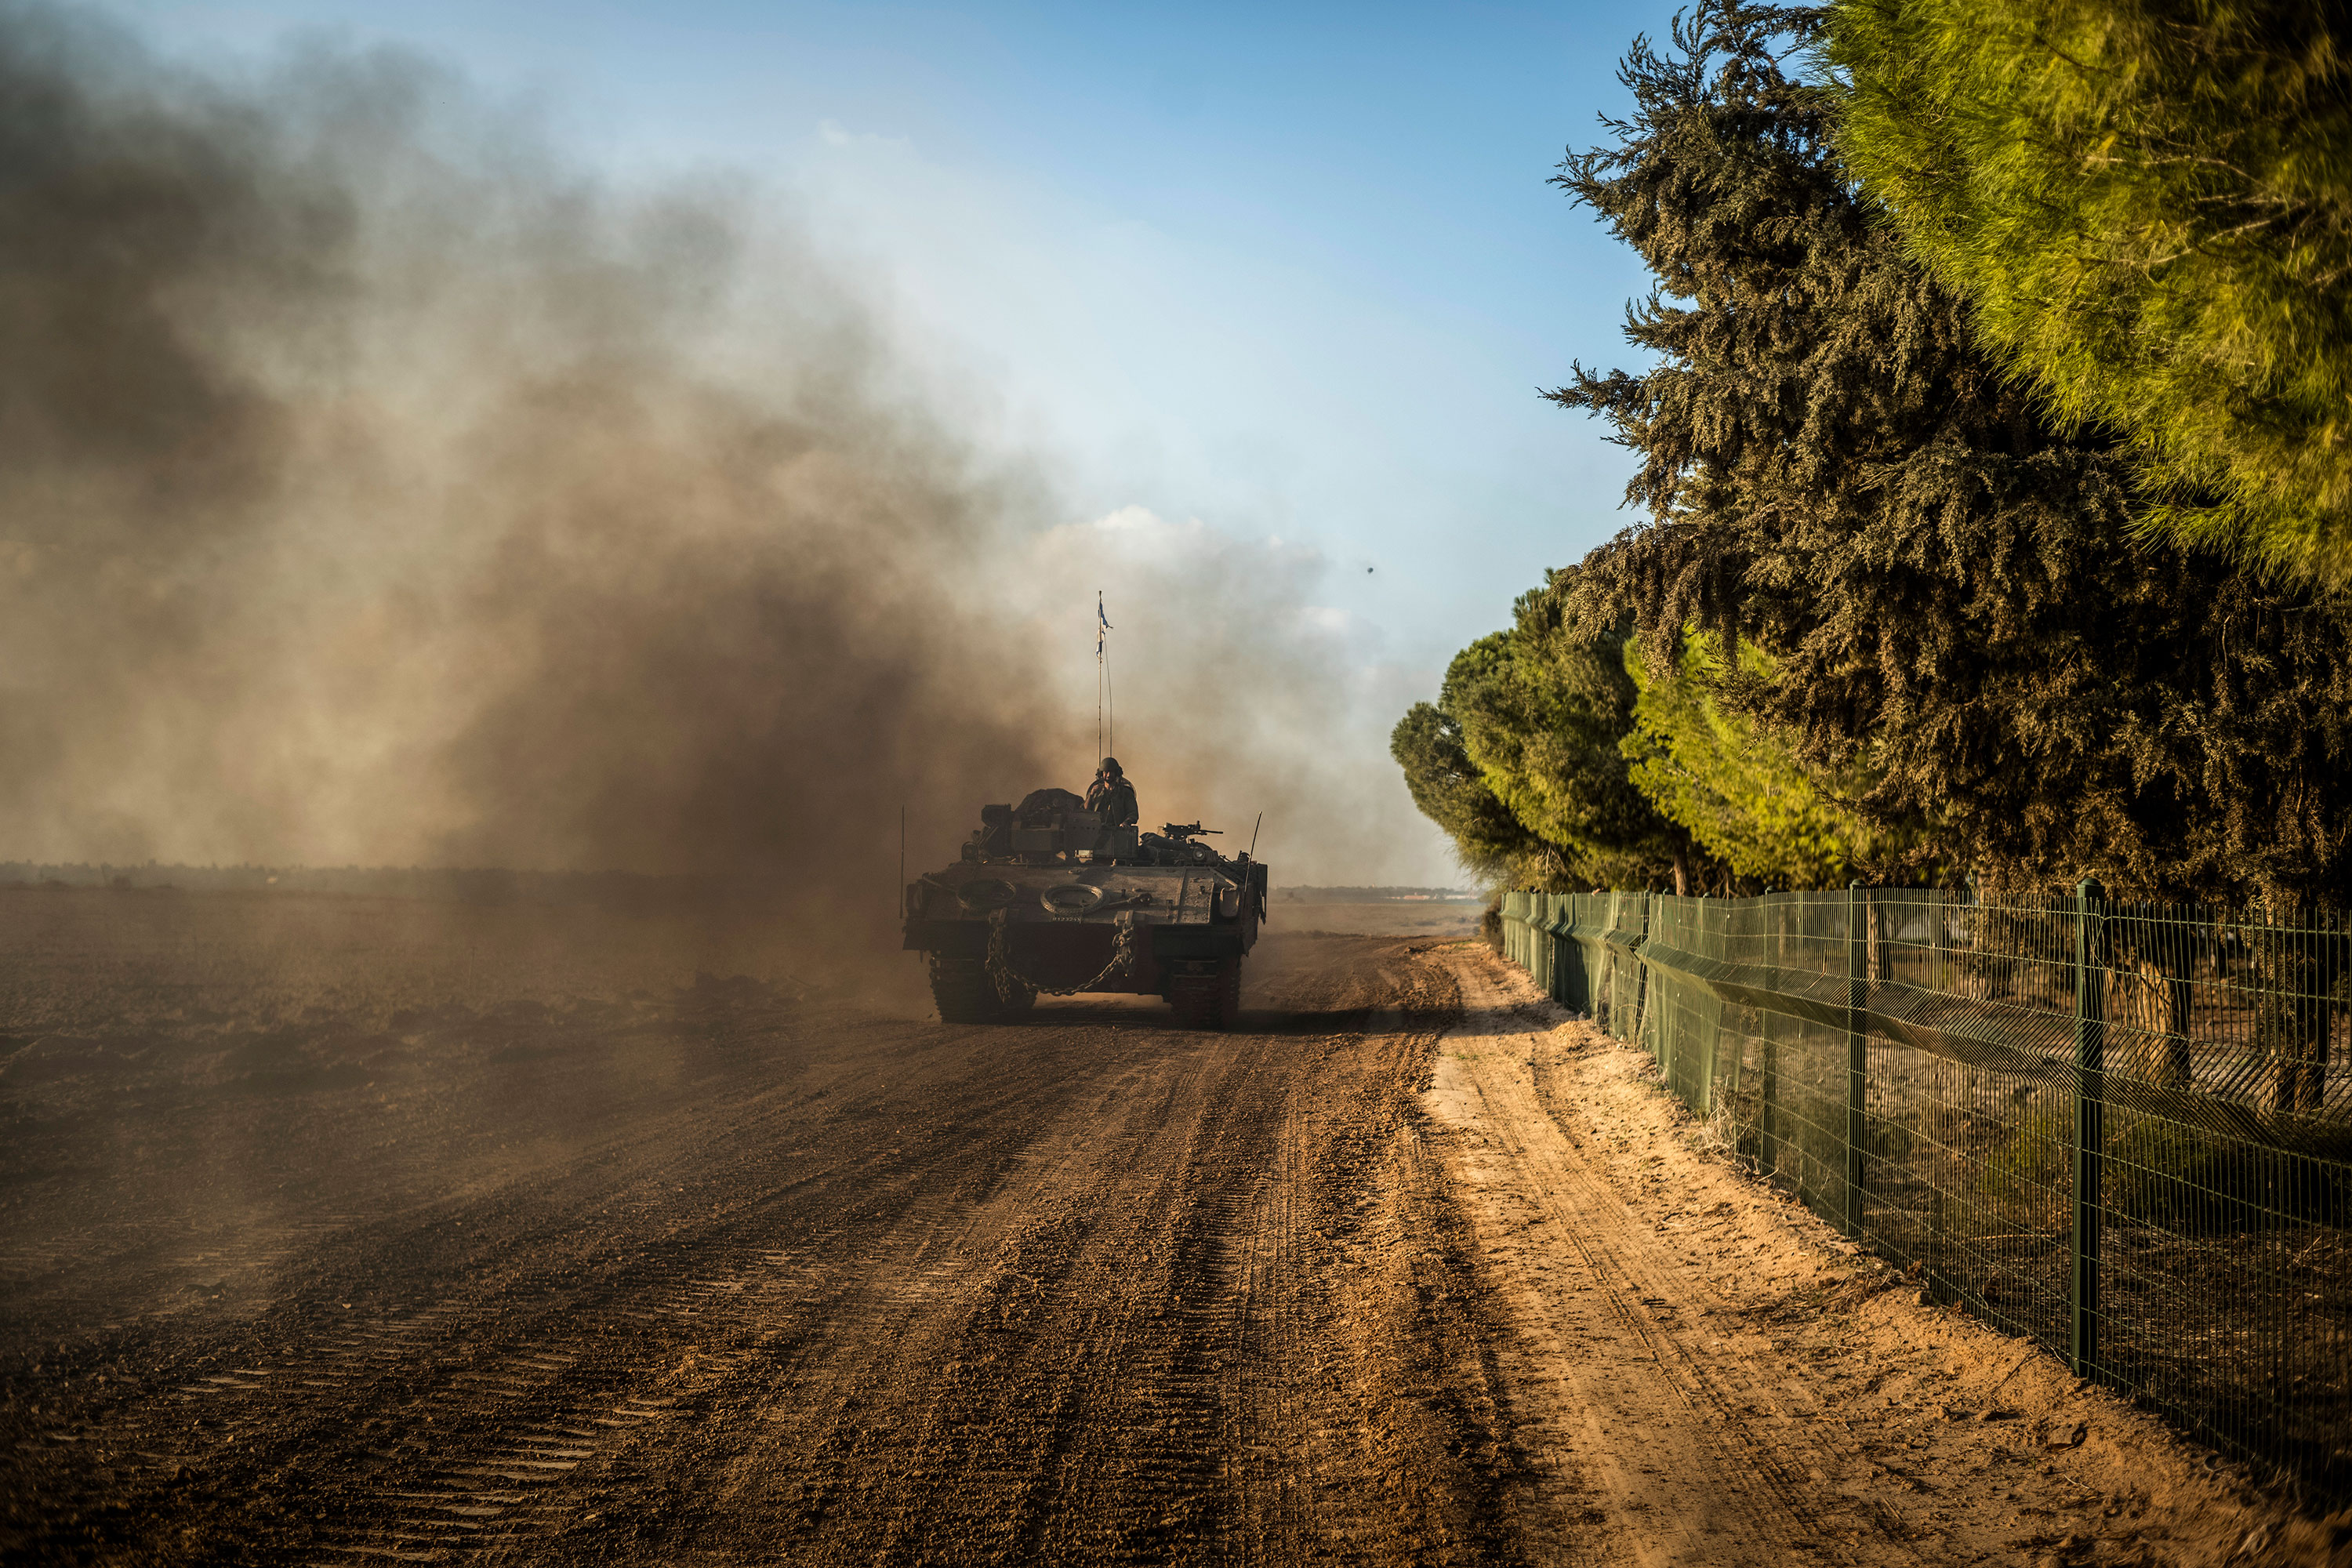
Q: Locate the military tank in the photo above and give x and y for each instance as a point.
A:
(1048, 899)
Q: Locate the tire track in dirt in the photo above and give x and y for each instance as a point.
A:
(1087, 1288)
(693, 1337)
(1090, 1289)
(1690, 1350)
(433, 1405)
(1637, 1416)
(1149, 1347)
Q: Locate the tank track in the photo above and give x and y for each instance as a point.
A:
(1207, 1001)
(966, 993)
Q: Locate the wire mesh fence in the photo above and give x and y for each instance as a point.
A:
(2110, 1127)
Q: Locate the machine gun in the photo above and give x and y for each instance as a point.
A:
(1187, 830)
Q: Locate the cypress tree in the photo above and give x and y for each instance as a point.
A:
(1944, 580)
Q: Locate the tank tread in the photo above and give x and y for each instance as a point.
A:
(963, 991)
(1210, 1001)
(966, 993)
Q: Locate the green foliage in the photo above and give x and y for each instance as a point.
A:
(1947, 589)
(1542, 714)
(1449, 790)
(2031, 1162)
(2149, 204)
(1519, 761)
(1746, 800)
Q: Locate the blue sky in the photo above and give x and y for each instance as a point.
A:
(1293, 271)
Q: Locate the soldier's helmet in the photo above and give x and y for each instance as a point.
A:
(1111, 765)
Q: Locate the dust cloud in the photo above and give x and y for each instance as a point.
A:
(377, 486)
(1282, 706)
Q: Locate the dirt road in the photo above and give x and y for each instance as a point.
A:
(1697, 1372)
(735, 1273)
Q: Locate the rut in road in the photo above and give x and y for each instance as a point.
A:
(1637, 1416)
(1212, 1316)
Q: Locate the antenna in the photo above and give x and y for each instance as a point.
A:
(1104, 745)
(902, 859)
(1255, 826)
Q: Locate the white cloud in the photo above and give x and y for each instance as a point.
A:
(833, 133)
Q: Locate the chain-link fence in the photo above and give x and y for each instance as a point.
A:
(2110, 1127)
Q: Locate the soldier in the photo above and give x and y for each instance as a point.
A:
(1111, 796)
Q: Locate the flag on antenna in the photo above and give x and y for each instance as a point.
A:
(1102, 624)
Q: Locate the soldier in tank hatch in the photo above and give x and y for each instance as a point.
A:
(1111, 796)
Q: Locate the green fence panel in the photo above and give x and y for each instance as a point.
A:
(1562, 984)
(2116, 1128)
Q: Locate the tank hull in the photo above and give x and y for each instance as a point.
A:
(1067, 958)
(998, 933)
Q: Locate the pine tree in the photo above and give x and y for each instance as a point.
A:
(2148, 206)
(1738, 790)
(1946, 587)
(1520, 761)
(1449, 791)
(1544, 712)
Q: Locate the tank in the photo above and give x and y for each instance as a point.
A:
(1047, 899)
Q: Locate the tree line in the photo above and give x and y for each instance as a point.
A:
(1994, 468)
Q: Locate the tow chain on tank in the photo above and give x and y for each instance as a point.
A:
(1000, 957)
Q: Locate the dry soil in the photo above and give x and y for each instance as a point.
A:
(333, 1231)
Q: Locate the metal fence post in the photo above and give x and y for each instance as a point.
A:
(1857, 1058)
(1768, 1154)
(1540, 924)
(1551, 945)
(1767, 1117)
(1939, 940)
(1572, 961)
(1539, 940)
(1645, 1005)
(1552, 975)
(2090, 1120)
